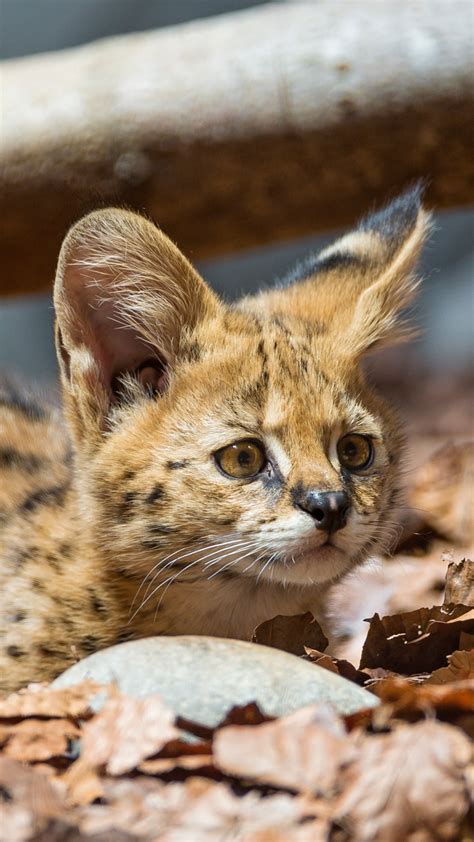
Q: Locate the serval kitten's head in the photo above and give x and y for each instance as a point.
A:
(234, 439)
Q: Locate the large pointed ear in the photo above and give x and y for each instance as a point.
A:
(123, 295)
(356, 290)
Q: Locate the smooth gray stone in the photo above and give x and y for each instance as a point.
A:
(201, 678)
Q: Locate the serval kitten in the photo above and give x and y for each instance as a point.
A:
(218, 464)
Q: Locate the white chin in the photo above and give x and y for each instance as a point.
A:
(321, 564)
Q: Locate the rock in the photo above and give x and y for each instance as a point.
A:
(201, 678)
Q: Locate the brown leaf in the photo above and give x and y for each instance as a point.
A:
(411, 701)
(82, 783)
(42, 701)
(409, 784)
(442, 490)
(291, 634)
(36, 739)
(337, 665)
(249, 714)
(300, 751)
(126, 731)
(201, 811)
(460, 668)
(186, 763)
(30, 789)
(382, 588)
(460, 583)
(416, 641)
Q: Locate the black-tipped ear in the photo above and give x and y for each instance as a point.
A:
(394, 222)
(356, 289)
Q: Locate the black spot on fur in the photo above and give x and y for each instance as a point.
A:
(53, 561)
(127, 502)
(124, 636)
(89, 644)
(65, 550)
(97, 604)
(175, 466)
(11, 458)
(15, 652)
(49, 652)
(160, 529)
(157, 493)
(37, 585)
(22, 556)
(128, 475)
(53, 496)
(19, 616)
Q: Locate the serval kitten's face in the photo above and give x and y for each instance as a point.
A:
(218, 441)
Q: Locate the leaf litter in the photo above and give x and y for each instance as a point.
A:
(401, 771)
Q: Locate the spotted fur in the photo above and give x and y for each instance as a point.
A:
(116, 522)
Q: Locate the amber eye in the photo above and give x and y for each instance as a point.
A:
(242, 460)
(355, 452)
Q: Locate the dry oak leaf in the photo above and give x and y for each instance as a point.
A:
(29, 801)
(460, 583)
(40, 700)
(198, 810)
(411, 784)
(301, 751)
(82, 784)
(409, 701)
(127, 731)
(442, 490)
(291, 633)
(36, 739)
(416, 641)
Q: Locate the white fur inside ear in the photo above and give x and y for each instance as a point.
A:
(361, 244)
(378, 318)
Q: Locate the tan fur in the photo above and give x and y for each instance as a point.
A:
(140, 533)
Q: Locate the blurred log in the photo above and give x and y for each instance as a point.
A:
(240, 130)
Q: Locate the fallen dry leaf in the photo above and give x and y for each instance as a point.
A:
(198, 810)
(416, 641)
(31, 790)
(43, 701)
(410, 784)
(126, 731)
(442, 492)
(186, 763)
(82, 783)
(460, 668)
(381, 587)
(301, 751)
(35, 739)
(249, 714)
(460, 583)
(450, 702)
(291, 634)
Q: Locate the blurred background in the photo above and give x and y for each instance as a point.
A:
(29, 27)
